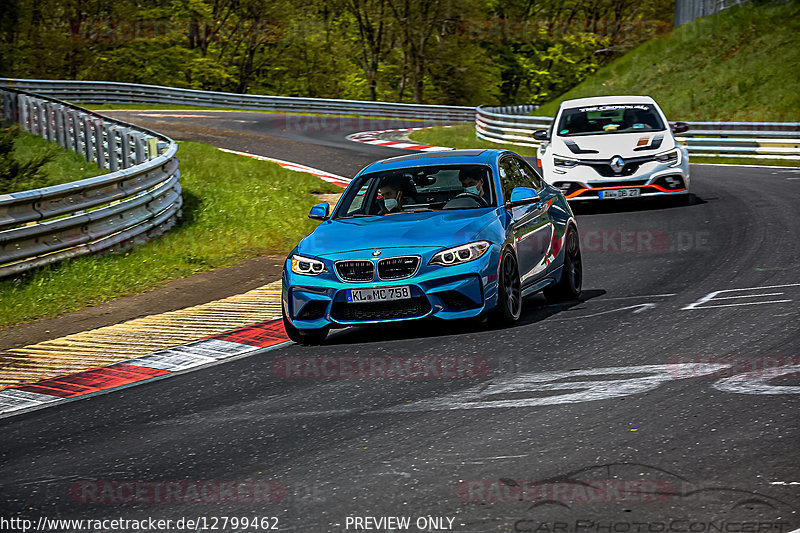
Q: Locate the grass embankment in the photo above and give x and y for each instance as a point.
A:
(739, 65)
(234, 208)
(462, 136)
(64, 166)
(742, 64)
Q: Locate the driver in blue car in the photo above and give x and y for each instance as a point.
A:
(471, 179)
(396, 191)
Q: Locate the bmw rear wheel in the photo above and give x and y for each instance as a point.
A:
(509, 293)
(306, 337)
(569, 287)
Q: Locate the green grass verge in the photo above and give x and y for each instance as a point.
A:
(742, 64)
(64, 167)
(462, 136)
(235, 207)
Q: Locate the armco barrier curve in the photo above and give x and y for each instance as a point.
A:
(103, 92)
(138, 199)
(759, 140)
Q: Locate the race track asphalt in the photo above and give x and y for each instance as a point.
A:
(580, 418)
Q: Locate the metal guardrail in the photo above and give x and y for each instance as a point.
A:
(688, 10)
(139, 199)
(104, 92)
(760, 140)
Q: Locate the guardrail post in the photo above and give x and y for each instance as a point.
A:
(50, 121)
(23, 111)
(39, 127)
(125, 146)
(65, 121)
(58, 124)
(113, 146)
(75, 127)
(6, 110)
(99, 148)
(87, 138)
(139, 148)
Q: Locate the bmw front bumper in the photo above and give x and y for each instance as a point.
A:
(446, 292)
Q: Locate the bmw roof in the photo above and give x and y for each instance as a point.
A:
(444, 157)
(607, 100)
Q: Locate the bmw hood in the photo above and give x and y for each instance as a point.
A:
(604, 146)
(440, 229)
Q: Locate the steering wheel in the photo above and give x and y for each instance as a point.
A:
(478, 198)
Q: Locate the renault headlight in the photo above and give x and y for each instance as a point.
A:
(673, 157)
(307, 266)
(460, 254)
(565, 162)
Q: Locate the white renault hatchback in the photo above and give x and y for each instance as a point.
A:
(614, 147)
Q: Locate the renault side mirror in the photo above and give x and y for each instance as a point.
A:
(541, 135)
(679, 127)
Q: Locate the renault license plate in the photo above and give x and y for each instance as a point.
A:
(619, 193)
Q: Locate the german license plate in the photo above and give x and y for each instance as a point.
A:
(378, 294)
(619, 193)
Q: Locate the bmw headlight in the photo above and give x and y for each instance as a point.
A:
(307, 266)
(565, 162)
(673, 157)
(460, 254)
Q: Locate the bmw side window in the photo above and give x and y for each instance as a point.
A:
(510, 177)
(530, 175)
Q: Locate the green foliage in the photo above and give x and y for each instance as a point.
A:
(740, 64)
(390, 50)
(263, 210)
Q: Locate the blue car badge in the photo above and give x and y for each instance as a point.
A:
(376, 253)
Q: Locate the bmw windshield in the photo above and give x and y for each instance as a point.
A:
(416, 189)
(609, 119)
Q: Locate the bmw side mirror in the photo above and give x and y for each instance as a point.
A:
(319, 211)
(523, 196)
(541, 135)
(679, 127)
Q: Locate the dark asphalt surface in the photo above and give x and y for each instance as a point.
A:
(709, 454)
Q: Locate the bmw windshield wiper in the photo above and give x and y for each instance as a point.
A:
(357, 215)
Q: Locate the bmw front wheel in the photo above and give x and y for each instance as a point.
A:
(569, 287)
(306, 337)
(509, 293)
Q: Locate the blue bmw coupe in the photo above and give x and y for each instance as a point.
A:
(452, 235)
